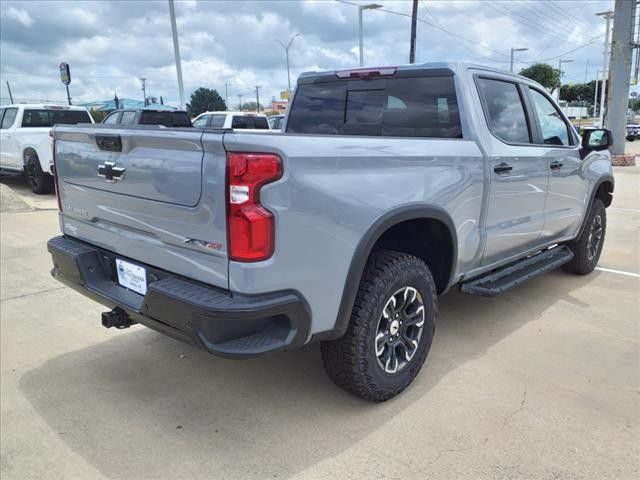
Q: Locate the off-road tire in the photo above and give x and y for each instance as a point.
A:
(351, 361)
(584, 261)
(40, 181)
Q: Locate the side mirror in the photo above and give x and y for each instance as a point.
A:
(594, 140)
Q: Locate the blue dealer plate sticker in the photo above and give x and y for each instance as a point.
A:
(132, 276)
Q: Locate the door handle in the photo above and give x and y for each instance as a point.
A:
(109, 143)
(502, 168)
(555, 165)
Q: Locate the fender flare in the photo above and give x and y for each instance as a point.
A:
(592, 196)
(368, 241)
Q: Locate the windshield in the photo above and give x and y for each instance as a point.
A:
(49, 118)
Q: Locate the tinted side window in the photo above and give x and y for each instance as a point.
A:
(218, 121)
(128, 118)
(260, 123)
(395, 107)
(504, 110)
(9, 117)
(112, 119)
(554, 129)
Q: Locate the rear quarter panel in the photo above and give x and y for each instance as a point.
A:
(335, 188)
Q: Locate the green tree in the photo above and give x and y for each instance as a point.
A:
(203, 100)
(250, 106)
(634, 104)
(544, 74)
(98, 115)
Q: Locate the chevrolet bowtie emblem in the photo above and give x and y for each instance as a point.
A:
(110, 172)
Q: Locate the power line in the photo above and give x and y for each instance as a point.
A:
(568, 21)
(531, 24)
(438, 27)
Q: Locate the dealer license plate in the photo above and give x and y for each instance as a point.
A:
(132, 276)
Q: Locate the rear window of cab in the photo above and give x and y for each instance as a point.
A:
(391, 107)
(48, 118)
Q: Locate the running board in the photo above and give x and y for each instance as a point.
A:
(497, 281)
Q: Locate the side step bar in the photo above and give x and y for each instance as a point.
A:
(497, 281)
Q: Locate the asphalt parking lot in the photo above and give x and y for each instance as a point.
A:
(542, 382)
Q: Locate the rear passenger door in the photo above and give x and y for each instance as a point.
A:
(518, 171)
(567, 190)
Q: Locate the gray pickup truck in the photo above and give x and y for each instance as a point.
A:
(387, 187)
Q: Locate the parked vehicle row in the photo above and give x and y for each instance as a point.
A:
(25, 146)
(387, 187)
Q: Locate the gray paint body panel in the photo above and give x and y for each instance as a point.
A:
(333, 191)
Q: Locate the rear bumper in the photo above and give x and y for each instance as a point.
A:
(216, 320)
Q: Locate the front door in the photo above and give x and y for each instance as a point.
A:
(567, 192)
(518, 172)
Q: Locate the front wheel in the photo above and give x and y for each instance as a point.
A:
(40, 181)
(588, 246)
(390, 331)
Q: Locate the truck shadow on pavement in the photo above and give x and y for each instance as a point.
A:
(144, 406)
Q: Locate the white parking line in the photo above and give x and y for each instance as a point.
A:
(631, 210)
(619, 272)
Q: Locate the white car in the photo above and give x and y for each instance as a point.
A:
(25, 146)
(236, 120)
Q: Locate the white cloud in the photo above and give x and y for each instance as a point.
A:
(111, 44)
(20, 15)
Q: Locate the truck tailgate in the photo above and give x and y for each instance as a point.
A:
(154, 195)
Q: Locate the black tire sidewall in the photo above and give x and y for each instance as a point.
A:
(597, 209)
(404, 274)
(44, 182)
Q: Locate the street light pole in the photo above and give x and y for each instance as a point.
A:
(176, 52)
(371, 6)
(286, 51)
(608, 15)
(511, 60)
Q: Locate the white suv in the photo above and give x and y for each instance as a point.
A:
(24, 139)
(236, 120)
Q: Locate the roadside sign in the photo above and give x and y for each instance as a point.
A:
(634, 94)
(65, 73)
(285, 94)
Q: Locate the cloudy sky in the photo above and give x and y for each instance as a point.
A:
(111, 44)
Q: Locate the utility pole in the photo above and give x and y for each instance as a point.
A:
(10, 95)
(176, 51)
(608, 15)
(258, 87)
(595, 97)
(560, 62)
(414, 20)
(240, 97)
(620, 73)
(226, 95)
(144, 90)
(511, 59)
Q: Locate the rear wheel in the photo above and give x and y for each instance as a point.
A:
(391, 328)
(40, 181)
(588, 246)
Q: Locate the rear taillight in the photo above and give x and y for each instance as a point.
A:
(250, 226)
(52, 138)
